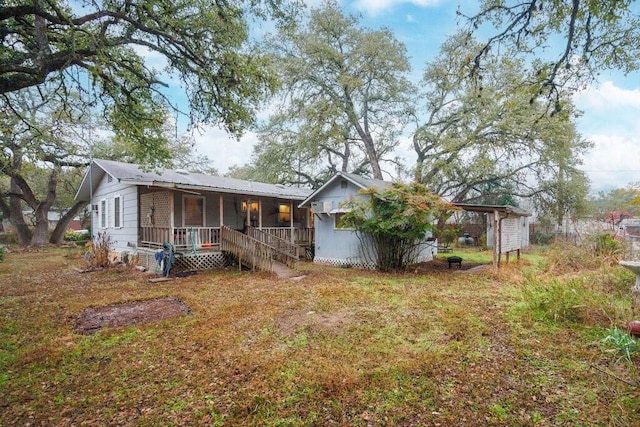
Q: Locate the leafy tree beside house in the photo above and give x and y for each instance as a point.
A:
(393, 222)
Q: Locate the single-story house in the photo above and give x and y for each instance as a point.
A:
(339, 246)
(142, 210)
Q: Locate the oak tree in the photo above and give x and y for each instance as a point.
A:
(572, 40)
(202, 46)
(344, 100)
(482, 140)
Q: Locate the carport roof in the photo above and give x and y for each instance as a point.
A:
(503, 209)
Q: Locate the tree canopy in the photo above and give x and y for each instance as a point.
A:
(46, 140)
(344, 100)
(593, 35)
(483, 141)
(203, 45)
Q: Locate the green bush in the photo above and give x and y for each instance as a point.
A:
(76, 236)
(605, 245)
(571, 301)
(1, 254)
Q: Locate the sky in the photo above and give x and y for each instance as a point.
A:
(611, 107)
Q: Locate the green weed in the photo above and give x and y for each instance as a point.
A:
(622, 343)
(573, 301)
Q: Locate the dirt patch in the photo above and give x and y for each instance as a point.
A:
(93, 319)
(294, 320)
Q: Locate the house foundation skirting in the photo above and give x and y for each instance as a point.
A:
(359, 262)
(188, 261)
(346, 263)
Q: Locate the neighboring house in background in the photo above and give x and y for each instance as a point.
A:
(53, 217)
(339, 246)
(142, 210)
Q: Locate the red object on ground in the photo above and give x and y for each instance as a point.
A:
(634, 328)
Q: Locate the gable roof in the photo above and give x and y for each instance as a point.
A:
(129, 173)
(357, 180)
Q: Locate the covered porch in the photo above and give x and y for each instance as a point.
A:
(192, 220)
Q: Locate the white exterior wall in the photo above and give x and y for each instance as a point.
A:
(342, 247)
(513, 228)
(124, 238)
(333, 245)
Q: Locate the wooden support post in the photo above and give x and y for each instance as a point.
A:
(260, 213)
(172, 215)
(496, 249)
(221, 207)
(248, 223)
(293, 238)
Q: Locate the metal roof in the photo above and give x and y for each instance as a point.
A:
(179, 179)
(508, 209)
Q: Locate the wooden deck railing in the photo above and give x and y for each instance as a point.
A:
(284, 251)
(154, 237)
(249, 251)
(198, 237)
(182, 238)
(299, 234)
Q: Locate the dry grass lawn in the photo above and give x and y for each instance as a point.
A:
(339, 347)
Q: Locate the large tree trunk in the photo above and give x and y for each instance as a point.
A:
(58, 233)
(16, 218)
(41, 212)
(4, 210)
(41, 230)
(365, 136)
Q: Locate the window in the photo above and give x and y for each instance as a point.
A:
(193, 211)
(252, 205)
(102, 214)
(338, 218)
(118, 211)
(284, 213)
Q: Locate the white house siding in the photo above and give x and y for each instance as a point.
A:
(332, 245)
(343, 247)
(124, 238)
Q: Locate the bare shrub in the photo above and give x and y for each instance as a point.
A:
(98, 251)
(593, 253)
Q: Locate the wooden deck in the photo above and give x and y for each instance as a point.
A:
(256, 249)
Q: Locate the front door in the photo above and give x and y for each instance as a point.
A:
(193, 211)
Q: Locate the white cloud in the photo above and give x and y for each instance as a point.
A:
(613, 162)
(224, 150)
(610, 122)
(607, 96)
(374, 7)
(411, 19)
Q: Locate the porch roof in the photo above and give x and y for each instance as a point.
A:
(181, 180)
